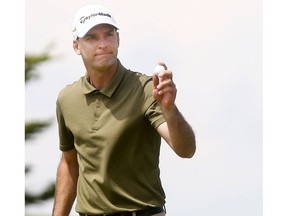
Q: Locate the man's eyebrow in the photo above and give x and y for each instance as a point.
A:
(89, 35)
(112, 30)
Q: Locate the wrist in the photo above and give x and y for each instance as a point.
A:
(170, 112)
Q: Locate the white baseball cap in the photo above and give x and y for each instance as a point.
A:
(89, 16)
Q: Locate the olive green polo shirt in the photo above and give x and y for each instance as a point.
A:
(114, 133)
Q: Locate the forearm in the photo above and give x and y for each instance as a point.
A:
(182, 137)
(176, 131)
(66, 186)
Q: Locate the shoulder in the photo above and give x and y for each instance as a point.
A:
(71, 90)
(138, 78)
(134, 77)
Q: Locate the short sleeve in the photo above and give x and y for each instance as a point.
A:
(66, 138)
(153, 111)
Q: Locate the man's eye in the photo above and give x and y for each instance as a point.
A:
(110, 34)
(90, 37)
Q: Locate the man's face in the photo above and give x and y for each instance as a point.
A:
(98, 47)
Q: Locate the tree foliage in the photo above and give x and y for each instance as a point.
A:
(32, 62)
(33, 128)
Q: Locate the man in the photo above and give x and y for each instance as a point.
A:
(110, 126)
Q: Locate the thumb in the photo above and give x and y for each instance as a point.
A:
(155, 90)
(155, 81)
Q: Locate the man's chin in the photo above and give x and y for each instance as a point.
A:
(105, 64)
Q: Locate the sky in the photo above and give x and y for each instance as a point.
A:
(214, 49)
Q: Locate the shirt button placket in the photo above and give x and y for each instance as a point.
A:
(96, 125)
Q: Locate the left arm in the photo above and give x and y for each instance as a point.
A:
(175, 131)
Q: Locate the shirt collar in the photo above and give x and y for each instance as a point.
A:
(110, 88)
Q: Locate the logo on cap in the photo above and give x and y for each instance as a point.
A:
(84, 18)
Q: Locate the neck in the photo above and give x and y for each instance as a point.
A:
(100, 78)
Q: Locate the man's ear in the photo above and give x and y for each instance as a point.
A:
(76, 47)
(118, 39)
